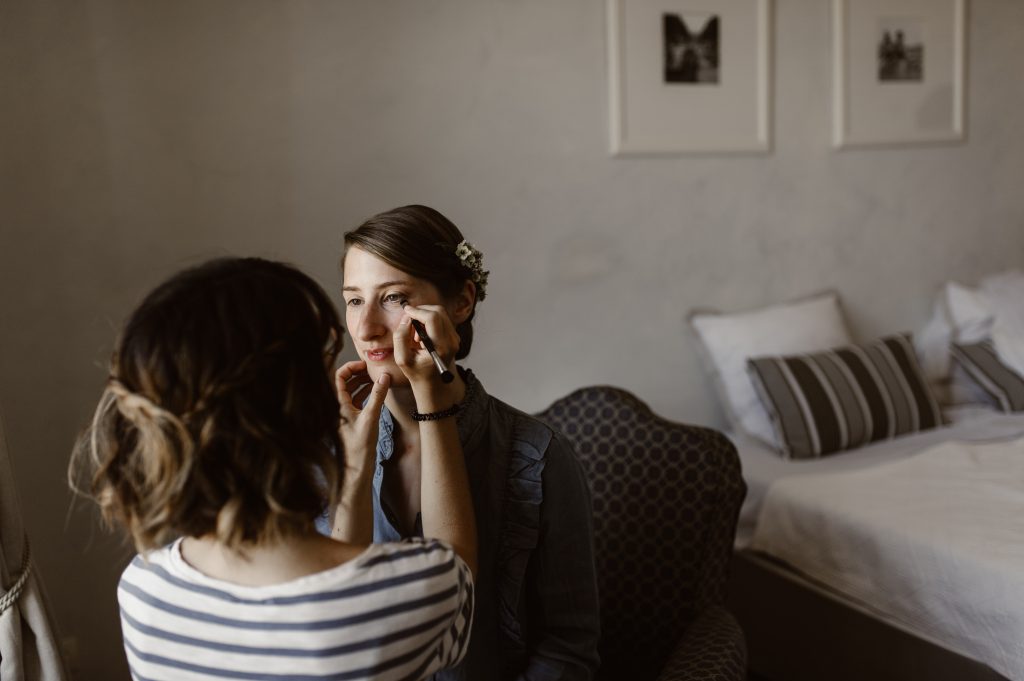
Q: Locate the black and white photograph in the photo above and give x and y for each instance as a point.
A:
(900, 50)
(898, 68)
(689, 76)
(691, 48)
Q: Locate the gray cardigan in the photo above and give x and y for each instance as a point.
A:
(536, 591)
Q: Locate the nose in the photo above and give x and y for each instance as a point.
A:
(369, 323)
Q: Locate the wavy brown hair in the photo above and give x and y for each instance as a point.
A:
(219, 416)
(419, 241)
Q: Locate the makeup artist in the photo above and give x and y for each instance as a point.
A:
(537, 612)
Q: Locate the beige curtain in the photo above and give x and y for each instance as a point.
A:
(28, 645)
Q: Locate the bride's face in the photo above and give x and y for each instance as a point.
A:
(374, 291)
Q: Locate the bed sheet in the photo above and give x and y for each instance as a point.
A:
(931, 540)
(762, 466)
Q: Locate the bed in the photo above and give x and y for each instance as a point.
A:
(917, 567)
(883, 532)
(762, 466)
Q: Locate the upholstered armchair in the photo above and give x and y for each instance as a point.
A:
(666, 499)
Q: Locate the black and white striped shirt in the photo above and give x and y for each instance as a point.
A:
(398, 611)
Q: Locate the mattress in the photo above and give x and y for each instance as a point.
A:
(762, 466)
(925, 532)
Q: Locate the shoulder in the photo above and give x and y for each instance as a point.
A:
(412, 551)
(526, 428)
(156, 562)
(415, 569)
(538, 452)
(557, 448)
(538, 441)
(413, 559)
(149, 575)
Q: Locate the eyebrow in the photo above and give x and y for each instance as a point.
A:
(397, 282)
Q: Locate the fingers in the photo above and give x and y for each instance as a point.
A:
(432, 316)
(349, 381)
(349, 370)
(375, 402)
(412, 357)
(402, 342)
(439, 327)
(358, 387)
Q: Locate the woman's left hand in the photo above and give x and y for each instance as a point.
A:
(353, 516)
(359, 426)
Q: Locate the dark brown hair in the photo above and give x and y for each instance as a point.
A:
(419, 241)
(220, 414)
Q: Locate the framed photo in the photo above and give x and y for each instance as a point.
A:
(689, 76)
(898, 71)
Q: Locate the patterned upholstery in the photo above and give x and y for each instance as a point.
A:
(666, 500)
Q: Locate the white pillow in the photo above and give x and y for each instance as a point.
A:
(1005, 294)
(729, 340)
(960, 314)
(968, 315)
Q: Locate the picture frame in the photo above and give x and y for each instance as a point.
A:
(898, 72)
(689, 76)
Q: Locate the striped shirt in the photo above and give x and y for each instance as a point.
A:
(398, 611)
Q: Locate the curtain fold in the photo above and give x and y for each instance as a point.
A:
(29, 650)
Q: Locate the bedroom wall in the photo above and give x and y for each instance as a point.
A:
(138, 137)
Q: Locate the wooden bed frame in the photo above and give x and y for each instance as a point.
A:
(799, 631)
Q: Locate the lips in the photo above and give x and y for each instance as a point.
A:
(379, 354)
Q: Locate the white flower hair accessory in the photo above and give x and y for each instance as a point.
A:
(473, 260)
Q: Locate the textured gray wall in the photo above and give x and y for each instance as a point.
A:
(139, 136)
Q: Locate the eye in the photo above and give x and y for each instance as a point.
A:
(393, 300)
(353, 302)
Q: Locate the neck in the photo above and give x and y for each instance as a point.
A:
(287, 558)
(248, 552)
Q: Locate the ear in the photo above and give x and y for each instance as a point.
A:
(462, 305)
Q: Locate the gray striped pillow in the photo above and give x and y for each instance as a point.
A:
(982, 363)
(846, 397)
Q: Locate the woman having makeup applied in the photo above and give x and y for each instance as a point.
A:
(537, 611)
(215, 443)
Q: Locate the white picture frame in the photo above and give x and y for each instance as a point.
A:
(664, 100)
(898, 72)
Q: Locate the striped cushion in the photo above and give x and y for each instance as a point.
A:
(846, 397)
(982, 363)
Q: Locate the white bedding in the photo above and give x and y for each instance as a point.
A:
(762, 467)
(927, 536)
